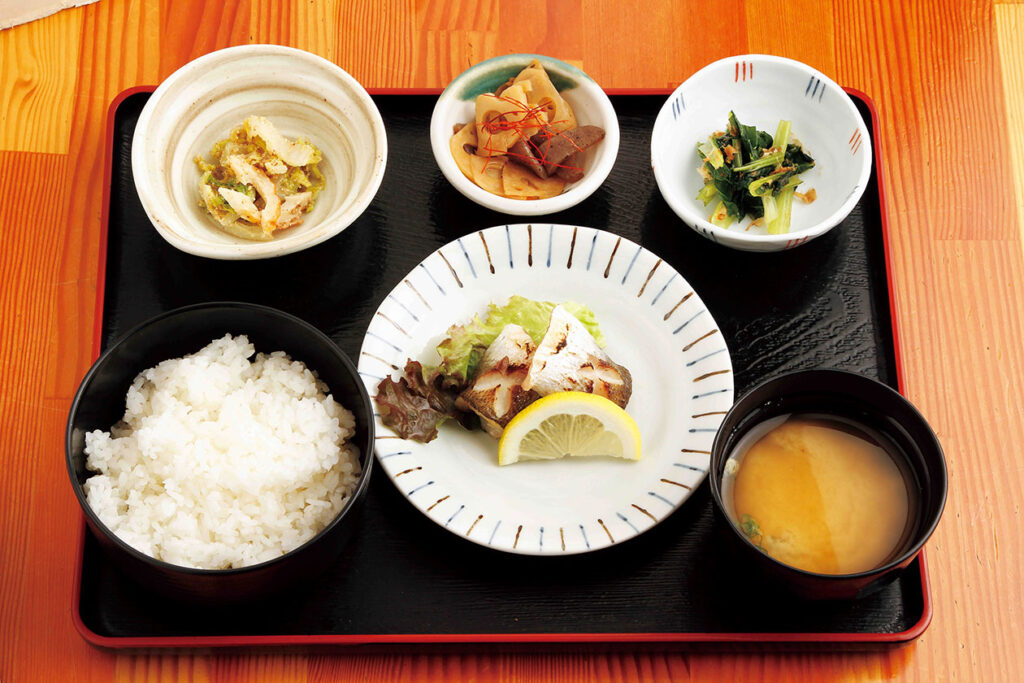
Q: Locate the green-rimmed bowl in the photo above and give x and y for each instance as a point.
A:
(589, 102)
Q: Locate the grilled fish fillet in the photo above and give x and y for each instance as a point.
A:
(497, 393)
(568, 359)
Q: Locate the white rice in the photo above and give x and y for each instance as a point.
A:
(221, 461)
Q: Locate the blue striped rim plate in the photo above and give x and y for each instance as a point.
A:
(655, 325)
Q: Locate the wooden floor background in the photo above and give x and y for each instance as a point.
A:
(948, 81)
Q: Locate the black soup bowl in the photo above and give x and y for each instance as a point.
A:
(864, 402)
(100, 403)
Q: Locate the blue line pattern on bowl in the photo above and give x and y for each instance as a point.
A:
(678, 106)
(818, 88)
(644, 277)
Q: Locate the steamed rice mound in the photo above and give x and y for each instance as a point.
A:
(221, 461)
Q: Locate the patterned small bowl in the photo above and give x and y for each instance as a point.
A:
(589, 102)
(762, 90)
(302, 94)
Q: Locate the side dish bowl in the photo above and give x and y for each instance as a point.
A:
(100, 403)
(302, 95)
(861, 401)
(762, 90)
(589, 102)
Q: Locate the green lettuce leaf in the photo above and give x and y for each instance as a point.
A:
(461, 351)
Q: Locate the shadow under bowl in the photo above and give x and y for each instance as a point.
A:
(100, 403)
(865, 402)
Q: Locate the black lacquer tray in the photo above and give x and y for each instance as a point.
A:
(405, 580)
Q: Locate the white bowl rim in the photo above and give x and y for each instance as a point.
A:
(526, 207)
(684, 211)
(257, 250)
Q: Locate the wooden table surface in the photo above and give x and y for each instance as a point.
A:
(948, 81)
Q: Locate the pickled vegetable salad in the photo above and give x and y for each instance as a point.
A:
(259, 181)
(753, 174)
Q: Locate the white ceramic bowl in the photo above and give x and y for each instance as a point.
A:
(302, 94)
(588, 101)
(762, 90)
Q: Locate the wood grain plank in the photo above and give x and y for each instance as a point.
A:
(39, 641)
(934, 110)
(28, 274)
(1009, 30)
(167, 668)
(546, 28)
(781, 28)
(377, 45)
(37, 90)
(666, 42)
(50, 294)
(315, 26)
(961, 365)
(944, 76)
(191, 28)
(450, 37)
(110, 28)
(978, 582)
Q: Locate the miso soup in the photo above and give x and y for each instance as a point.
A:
(820, 493)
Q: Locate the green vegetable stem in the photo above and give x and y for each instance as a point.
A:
(752, 173)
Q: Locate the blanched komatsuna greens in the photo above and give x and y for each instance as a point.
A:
(752, 173)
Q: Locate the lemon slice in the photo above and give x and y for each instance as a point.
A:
(569, 423)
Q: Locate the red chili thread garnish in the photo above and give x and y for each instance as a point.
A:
(530, 118)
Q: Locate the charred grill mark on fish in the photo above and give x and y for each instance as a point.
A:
(497, 394)
(568, 359)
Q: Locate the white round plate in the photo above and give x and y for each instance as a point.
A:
(654, 324)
